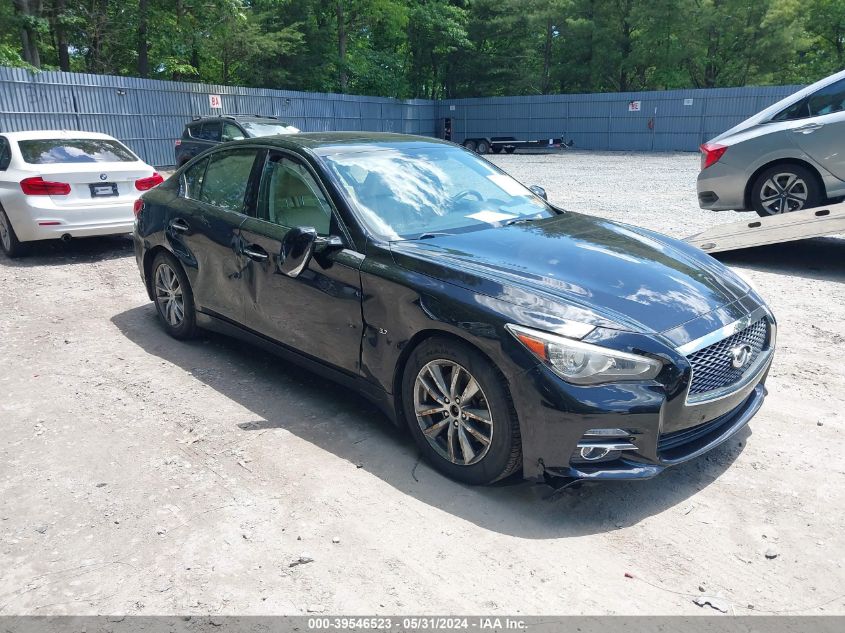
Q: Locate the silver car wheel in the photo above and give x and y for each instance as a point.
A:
(5, 234)
(168, 293)
(783, 193)
(452, 412)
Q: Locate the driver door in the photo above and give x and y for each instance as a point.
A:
(318, 312)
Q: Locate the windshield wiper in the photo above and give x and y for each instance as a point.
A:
(425, 236)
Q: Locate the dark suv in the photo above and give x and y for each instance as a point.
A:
(205, 132)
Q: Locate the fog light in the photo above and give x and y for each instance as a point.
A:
(593, 453)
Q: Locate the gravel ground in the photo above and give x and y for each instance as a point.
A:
(139, 475)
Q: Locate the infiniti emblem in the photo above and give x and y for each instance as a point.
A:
(740, 355)
(104, 176)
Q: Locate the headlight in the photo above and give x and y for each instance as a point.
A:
(582, 363)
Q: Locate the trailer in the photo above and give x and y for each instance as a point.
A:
(510, 144)
(785, 227)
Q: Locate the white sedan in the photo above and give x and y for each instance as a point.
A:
(64, 184)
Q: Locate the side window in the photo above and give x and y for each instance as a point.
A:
(795, 111)
(210, 131)
(232, 132)
(290, 197)
(192, 180)
(5, 154)
(826, 100)
(227, 178)
(192, 131)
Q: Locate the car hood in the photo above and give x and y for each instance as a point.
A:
(617, 275)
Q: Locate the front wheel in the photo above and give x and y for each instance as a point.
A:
(174, 299)
(784, 188)
(470, 144)
(459, 410)
(8, 238)
(483, 147)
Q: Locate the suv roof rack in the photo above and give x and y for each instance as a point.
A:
(232, 115)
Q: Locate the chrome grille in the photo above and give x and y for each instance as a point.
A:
(711, 366)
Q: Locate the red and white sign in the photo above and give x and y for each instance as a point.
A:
(215, 101)
(634, 106)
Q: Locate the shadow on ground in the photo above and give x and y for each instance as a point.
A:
(821, 258)
(340, 421)
(77, 251)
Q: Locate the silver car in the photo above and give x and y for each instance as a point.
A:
(788, 157)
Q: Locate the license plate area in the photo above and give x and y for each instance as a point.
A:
(103, 189)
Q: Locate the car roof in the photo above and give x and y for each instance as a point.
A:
(327, 143)
(33, 135)
(258, 118)
(767, 113)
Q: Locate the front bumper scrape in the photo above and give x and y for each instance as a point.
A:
(673, 448)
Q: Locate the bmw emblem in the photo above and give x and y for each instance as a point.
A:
(104, 176)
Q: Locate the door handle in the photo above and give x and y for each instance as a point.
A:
(255, 253)
(809, 128)
(179, 225)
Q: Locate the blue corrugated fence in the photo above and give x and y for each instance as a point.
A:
(149, 115)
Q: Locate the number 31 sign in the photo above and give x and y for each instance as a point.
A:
(215, 101)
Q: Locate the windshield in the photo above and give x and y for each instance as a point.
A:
(87, 150)
(267, 129)
(406, 193)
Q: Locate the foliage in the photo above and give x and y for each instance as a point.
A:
(433, 48)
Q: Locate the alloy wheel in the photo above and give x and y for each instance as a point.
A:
(168, 292)
(783, 193)
(452, 412)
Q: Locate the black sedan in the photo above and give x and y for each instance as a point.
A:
(505, 332)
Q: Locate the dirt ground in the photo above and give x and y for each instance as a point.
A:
(140, 475)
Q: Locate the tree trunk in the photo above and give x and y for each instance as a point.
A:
(30, 9)
(143, 44)
(343, 77)
(547, 58)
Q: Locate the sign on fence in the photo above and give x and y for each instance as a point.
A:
(634, 106)
(215, 101)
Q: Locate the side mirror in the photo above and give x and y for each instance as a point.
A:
(297, 249)
(539, 191)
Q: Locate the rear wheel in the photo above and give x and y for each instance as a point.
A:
(8, 239)
(470, 144)
(459, 410)
(173, 297)
(784, 188)
(483, 147)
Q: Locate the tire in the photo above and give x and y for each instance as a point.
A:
(483, 147)
(174, 299)
(472, 460)
(510, 150)
(470, 144)
(496, 149)
(9, 242)
(784, 188)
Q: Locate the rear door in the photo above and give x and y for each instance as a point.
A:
(318, 312)
(203, 135)
(818, 126)
(203, 228)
